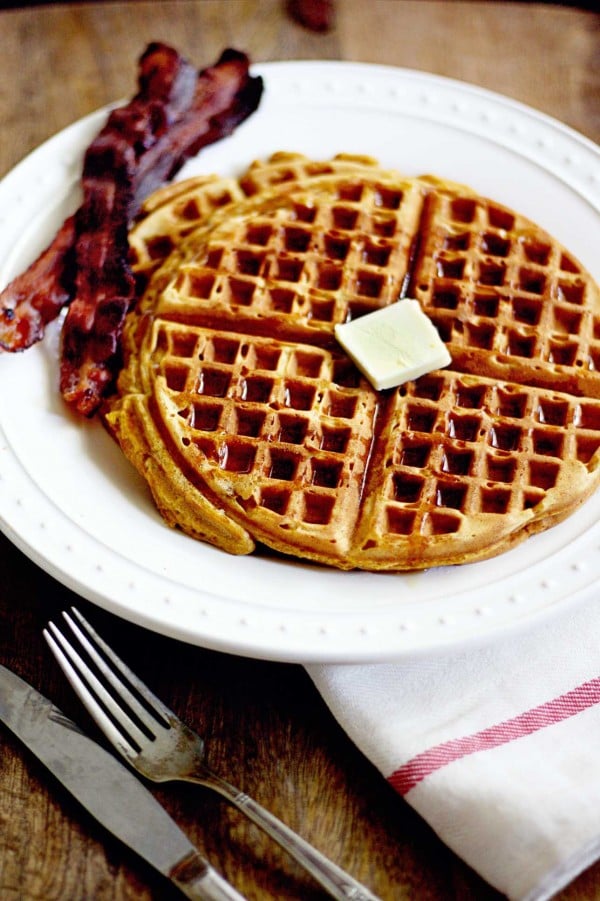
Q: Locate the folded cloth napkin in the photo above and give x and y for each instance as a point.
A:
(496, 746)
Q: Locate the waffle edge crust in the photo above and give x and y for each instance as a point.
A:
(251, 426)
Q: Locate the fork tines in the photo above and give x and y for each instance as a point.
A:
(123, 707)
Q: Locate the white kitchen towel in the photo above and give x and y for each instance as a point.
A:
(496, 746)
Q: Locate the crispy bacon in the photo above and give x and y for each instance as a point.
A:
(167, 86)
(36, 297)
(175, 113)
(225, 95)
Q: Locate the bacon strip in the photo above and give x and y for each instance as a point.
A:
(225, 95)
(175, 113)
(36, 297)
(167, 86)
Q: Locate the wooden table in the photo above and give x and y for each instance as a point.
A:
(269, 730)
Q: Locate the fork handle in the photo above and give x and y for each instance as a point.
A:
(197, 880)
(333, 879)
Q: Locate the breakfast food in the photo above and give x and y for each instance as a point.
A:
(175, 113)
(252, 426)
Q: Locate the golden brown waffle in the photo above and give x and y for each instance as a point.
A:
(508, 300)
(466, 466)
(252, 426)
(173, 212)
(297, 260)
(284, 168)
(280, 429)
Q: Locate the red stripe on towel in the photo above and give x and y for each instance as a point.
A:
(415, 770)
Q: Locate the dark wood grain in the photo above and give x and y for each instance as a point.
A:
(268, 729)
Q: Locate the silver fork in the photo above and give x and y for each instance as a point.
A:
(162, 748)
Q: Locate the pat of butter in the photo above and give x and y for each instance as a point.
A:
(393, 345)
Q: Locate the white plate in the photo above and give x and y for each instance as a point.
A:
(72, 503)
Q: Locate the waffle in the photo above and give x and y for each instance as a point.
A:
(175, 210)
(170, 214)
(252, 427)
(508, 300)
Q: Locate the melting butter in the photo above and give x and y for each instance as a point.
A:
(393, 345)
